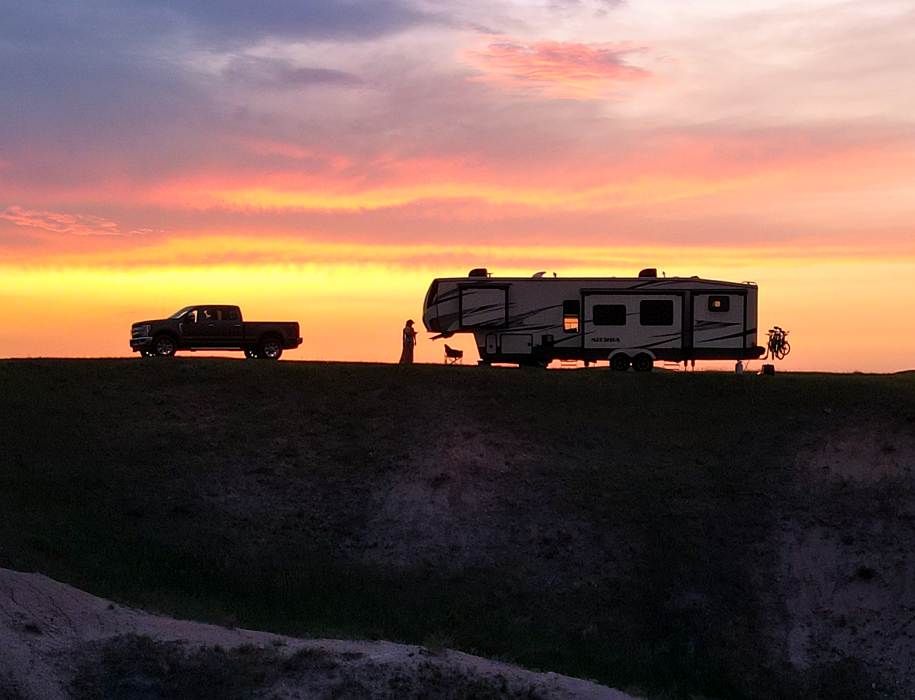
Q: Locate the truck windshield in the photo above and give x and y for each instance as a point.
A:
(179, 314)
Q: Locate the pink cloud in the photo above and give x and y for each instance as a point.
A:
(557, 69)
(71, 224)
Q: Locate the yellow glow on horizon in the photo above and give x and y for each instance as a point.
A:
(640, 192)
(843, 316)
(244, 251)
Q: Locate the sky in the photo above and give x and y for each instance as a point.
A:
(324, 160)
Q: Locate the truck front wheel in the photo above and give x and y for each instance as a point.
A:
(270, 349)
(164, 346)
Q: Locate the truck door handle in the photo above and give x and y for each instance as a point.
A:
(238, 325)
(211, 325)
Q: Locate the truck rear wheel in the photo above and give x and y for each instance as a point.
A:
(164, 346)
(270, 349)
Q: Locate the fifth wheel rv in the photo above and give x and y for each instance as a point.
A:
(628, 321)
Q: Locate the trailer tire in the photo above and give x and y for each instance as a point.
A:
(642, 362)
(164, 345)
(537, 364)
(619, 362)
(270, 348)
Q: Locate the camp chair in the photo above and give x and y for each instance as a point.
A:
(452, 356)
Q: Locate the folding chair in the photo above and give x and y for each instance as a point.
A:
(452, 356)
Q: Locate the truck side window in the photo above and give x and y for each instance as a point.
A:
(191, 316)
(229, 314)
(571, 308)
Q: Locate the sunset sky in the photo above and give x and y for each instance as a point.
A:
(322, 161)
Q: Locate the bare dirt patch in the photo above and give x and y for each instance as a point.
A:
(60, 643)
(846, 575)
(863, 451)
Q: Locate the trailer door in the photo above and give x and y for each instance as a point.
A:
(483, 307)
(719, 320)
(633, 320)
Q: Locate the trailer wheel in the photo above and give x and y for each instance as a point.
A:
(164, 346)
(642, 362)
(270, 349)
(619, 362)
(538, 364)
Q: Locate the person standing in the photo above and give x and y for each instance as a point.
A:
(409, 342)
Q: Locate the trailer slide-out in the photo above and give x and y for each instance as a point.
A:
(628, 321)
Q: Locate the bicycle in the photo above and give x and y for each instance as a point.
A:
(778, 345)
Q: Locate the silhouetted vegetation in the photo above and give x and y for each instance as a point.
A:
(131, 667)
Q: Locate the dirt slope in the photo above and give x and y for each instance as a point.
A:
(49, 632)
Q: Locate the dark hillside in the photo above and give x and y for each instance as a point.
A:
(678, 534)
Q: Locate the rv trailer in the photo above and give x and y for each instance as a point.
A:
(628, 321)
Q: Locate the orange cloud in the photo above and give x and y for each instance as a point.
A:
(683, 171)
(71, 224)
(557, 69)
(824, 184)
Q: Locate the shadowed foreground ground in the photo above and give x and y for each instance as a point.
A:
(669, 534)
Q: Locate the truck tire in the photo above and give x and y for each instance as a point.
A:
(271, 348)
(619, 362)
(164, 346)
(642, 362)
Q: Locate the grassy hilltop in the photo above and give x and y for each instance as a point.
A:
(675, 534)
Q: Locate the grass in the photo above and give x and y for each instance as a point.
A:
(131, 666)
(635, 513)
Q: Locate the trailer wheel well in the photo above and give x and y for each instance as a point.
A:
(632, 352)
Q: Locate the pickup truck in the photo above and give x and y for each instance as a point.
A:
(213, 327)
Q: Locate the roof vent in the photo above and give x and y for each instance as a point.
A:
(478, 272)
(649, 272)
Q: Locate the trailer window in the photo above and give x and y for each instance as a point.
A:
(719, 304)
(656, 312)
(610, 315)
(571, 309)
